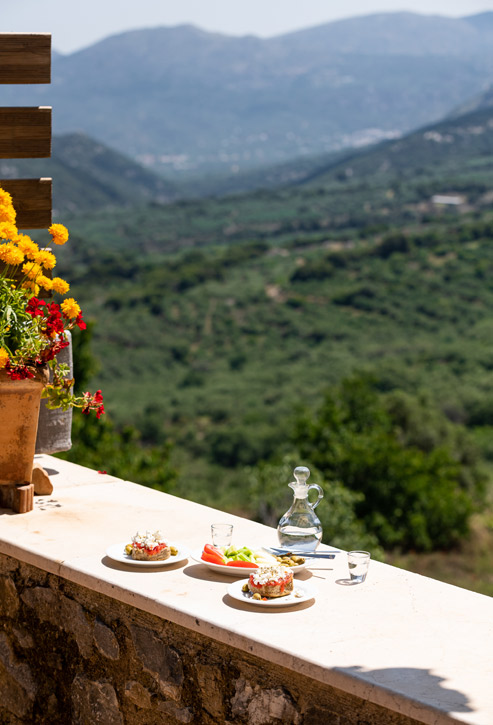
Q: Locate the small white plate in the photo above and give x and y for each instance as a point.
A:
(117, 553)
(303, 592)
(238, 571)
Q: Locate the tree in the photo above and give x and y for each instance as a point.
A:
(100, 446)
(409, 497)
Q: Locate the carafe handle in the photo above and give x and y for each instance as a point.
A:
(320, 495)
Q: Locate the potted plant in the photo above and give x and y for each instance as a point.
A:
(35, 317)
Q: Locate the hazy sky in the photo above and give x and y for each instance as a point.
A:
(75, 25)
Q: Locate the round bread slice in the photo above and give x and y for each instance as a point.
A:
(156, 554)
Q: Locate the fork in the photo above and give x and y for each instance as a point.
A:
(305, 554)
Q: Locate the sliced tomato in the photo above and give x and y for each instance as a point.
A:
(212, 555)
(212, 549)
(212, 559)
(246, 564)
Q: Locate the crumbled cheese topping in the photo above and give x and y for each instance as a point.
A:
(269, 573)
(147, 539)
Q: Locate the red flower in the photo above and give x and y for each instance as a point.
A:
(93, 402)
(80, 322)
(18, 372)
(34, 307)
(50, 352)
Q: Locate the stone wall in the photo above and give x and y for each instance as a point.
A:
(70, 655)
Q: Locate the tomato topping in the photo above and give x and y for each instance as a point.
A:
(150, 549)
(246, 564)
(279, 582)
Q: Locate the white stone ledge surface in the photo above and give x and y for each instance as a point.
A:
(411, 644)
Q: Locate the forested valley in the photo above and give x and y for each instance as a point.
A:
(344, 323)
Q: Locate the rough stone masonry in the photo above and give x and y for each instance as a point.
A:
(70, 655)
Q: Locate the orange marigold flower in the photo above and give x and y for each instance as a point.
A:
(4, 357)
(27, 246)
(45, 258)
(44, 282)
(31, 270)
(7, 211)
(7, 214)
(60, 286)
(10, 254)
(59, 233)
(5, 198)
(7, 229)
(70, 308)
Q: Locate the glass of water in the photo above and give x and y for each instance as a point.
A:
(222, 534)
(358, 562)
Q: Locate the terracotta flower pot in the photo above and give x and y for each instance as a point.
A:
(19, 412)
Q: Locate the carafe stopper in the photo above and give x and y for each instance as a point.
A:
(302, 474)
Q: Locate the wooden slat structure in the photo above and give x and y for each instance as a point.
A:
(25, 58)
(32, 201)
(26, 132)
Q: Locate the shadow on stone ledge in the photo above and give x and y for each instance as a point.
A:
(414, 684)
(143, 569)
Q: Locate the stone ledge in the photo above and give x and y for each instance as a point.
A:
(105, 662)
(411, 646)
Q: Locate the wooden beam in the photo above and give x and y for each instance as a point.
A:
(32, 201)
(25, 58)
(25, 133)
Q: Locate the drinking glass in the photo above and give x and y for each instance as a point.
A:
(358, 563)
(222, 534)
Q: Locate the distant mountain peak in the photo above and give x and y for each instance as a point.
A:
(481, 21)
(187, 102)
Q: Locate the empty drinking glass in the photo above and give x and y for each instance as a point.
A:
(222, 534)
(358, 562)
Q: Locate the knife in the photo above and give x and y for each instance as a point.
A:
(304, 554)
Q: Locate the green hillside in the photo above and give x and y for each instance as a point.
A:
(219, 320)
(460, 144)
(303, 262)
(89, 175)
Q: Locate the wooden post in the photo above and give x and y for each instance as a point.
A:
(26, 132)
(25, 58)
(32, 201)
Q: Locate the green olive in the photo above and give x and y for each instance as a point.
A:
(245, 588)
(256, 596)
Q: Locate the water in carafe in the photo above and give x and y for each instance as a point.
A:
(300, 528)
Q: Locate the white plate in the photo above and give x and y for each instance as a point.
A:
(238, 571)
(117, 553)
(303, 592)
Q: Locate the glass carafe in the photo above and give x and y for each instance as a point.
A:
(300, 528)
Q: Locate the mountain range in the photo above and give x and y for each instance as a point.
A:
(182, 100)
(88, 175)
